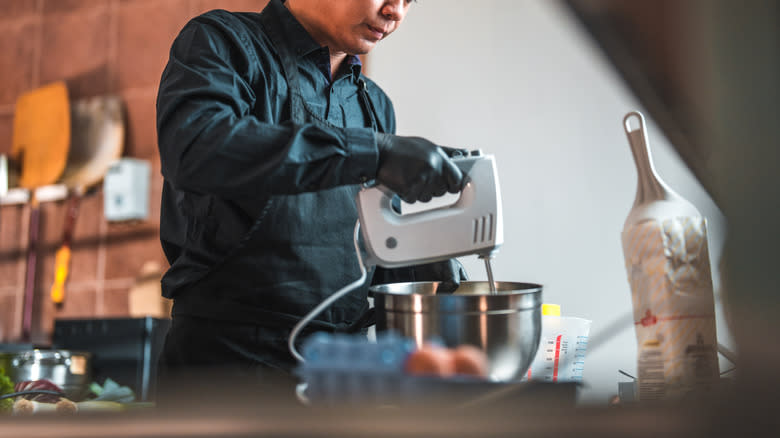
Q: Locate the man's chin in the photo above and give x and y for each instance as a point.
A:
(363, 48)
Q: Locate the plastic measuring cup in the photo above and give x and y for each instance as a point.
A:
(561, 354)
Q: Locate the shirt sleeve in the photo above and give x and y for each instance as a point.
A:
(211, 141)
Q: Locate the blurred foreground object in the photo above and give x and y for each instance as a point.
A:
(707, 71)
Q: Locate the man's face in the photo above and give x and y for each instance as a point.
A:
(350, 26)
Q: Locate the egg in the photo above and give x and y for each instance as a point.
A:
(430, 360)
(470, 360)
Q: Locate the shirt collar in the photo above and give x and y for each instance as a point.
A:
(351, 64)
(301, 42)
(295, 36)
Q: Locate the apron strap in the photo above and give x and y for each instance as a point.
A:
(289, 68)
(368, 106)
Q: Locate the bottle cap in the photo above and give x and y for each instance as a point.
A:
(551, 310)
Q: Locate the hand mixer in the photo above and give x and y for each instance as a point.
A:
(471, 225)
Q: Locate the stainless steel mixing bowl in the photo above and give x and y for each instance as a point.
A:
(70, 370)
(506, 325)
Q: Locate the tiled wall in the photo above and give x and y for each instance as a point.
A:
(98, 47)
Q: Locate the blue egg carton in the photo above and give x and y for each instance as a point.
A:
(352, 368)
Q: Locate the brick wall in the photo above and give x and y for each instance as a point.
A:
(98, 47)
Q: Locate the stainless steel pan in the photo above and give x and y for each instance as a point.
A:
(70, 370)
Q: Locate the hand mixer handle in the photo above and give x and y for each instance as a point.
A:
(464, 163)
(472, 225)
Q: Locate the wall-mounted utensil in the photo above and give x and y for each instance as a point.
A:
(41, 139)
(97, 140)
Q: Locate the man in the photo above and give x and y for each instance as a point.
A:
(266, 130)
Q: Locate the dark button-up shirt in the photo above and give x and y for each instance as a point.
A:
(228, 144)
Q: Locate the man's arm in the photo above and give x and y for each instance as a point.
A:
(211, 142)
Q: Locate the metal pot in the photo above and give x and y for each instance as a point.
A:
(70, 370)
(506, 325)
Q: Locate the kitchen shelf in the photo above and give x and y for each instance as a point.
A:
(54, 192)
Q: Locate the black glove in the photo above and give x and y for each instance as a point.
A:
(415, 169)
(448, 272)
(455, 152)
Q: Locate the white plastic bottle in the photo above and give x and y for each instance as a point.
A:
(667, 261)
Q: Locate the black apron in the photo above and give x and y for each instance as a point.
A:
(303, 246)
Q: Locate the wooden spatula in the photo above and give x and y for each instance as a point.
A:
(41, 139)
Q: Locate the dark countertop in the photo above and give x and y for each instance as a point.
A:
(270, 410)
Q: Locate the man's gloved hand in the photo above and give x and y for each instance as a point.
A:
(455, 152)
(416, 169)
(449, 274)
